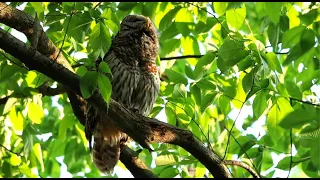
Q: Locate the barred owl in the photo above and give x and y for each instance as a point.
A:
(135, 84)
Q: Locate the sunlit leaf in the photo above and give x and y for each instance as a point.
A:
(235, 17)
(35, 113)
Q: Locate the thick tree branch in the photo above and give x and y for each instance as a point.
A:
(134, 164)
(142, 129)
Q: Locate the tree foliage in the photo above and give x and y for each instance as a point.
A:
(242, 77)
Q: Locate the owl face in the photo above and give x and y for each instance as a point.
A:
(138, 23)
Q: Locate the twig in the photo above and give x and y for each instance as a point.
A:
(97, 5)
(244, 166)
(181, 57)
(10, 150)
(64, 37)
(22, 66)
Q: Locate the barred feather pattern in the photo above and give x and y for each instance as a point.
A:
(135, 84)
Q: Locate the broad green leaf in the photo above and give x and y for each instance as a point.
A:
(55, 169)
(184, 15)
(180, 91)
(169, 173)
(224, 104)
(100, 39)
(126, 6)
(203, 64)
(8, 71)
(231, 52)
(273, 10)
(38, 152)
(207, 100)
(299, 117)
(259, 104)
(278, 111)
(167, 19)
(240, 97)
(284, 163)
(88, 83)
(307, 40)
(65, 124)
(315, 155)
(78, 26)
(166, 160)
(38, 6)
(35, 113)
(247, 82)
(176, 77)
(273, 62)
(171, 117)
(105, 87)
(292, 36)
(236, 17)
(220, 7)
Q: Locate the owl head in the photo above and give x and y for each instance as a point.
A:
(137, 23)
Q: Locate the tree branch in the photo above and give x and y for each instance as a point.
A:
(142, 129)
(134, 164)
(244, 166)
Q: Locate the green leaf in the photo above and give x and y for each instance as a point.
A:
(126, 6)
(37, 151)
(247, 82)
(315, 155)
(273, 62)
(167, 19)
(78, 26)
(35, 113)
(231, 52)
(103, 67)
(277, 112)
(38, 6)
(166, 160)
(299, 117)
(259, 104)
(184, 15)
(8, 71)
(88, 83)
(224, 104)
(284, 163)
(236, 17)
(203, 64)
(169, 173)
(100, 39)
(65, 124)
(105, 87)
(307, 40)
(220, 7)
(292, 36)
(207, 100)
(273, 10)
(176, 77)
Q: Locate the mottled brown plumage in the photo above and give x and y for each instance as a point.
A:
(135, 84)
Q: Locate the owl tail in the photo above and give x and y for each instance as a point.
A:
(105, 154)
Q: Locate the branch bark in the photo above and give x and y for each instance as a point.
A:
(25, 23)
(142, 129)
